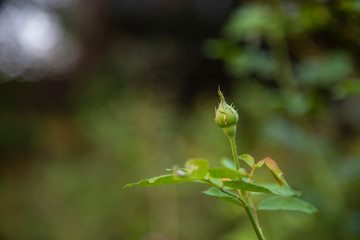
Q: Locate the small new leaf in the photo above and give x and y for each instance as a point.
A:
(286, 203)
(274, 169)
(248, 159)
(259, 164)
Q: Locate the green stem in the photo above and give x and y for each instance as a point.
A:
(234, 152)
(251, 174)
(226, 192)
(247, 207)
(255, 225)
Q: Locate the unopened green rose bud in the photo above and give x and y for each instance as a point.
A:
(226, 116)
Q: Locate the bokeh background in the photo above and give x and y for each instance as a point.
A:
(95, 94)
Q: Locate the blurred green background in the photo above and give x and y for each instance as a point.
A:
(99, 93)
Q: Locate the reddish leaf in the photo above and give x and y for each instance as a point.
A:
(274, 169)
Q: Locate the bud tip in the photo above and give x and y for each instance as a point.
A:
(220, 94)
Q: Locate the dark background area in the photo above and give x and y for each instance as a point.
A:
(99, 93)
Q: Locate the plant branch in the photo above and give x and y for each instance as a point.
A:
(255, 225)
(245, 199)
(228, 193)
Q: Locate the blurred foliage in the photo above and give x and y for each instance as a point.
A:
(133, 108)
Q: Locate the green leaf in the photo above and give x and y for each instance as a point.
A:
(286, 203)
(226, 173)
(197, 168)
(248, 159)
(259, 164)
(160, 180)
(284, 191)
(246, 186)
(216, 182)
(215, 192)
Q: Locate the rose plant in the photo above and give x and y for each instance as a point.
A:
(233, 183)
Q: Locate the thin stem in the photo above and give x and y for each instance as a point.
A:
(248, 210)
(248, 196)
(251, 175)
(228, 193)
(247, 206)
(255, 225)
(233, 195)
(234, 152)
(251, 203)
